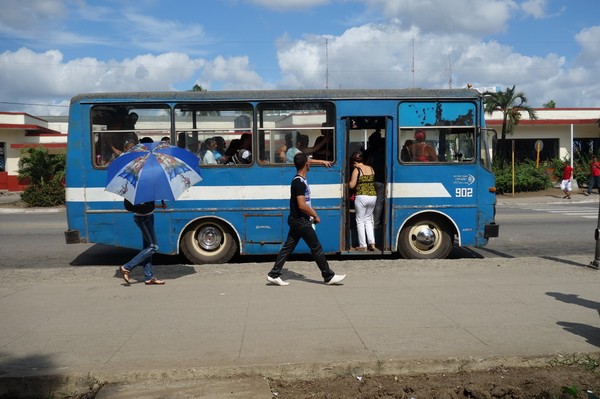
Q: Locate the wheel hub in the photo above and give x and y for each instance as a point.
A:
(210, 238)
(424, 238)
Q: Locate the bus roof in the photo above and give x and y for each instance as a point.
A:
(287, 95)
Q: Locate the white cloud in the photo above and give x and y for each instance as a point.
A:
(47, 76)
(289, 5)
(149, 33)
(535, 8)
(26, 16)
(590, 45)
(233, 73)
(458, 16)
(381, 56)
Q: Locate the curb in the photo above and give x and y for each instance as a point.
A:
(109, 383)
(32, 210)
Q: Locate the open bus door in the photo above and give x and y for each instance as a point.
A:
(371, 136)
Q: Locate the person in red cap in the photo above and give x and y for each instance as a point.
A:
(421, 151)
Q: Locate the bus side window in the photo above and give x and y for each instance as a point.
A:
(288, 128)
(214, 132)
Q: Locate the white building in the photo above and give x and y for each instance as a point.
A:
(19, 131)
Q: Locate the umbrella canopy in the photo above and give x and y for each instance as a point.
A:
(151, 172)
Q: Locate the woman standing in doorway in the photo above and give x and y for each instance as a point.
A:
(362, 179)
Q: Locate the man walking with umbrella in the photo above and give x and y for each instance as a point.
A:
(143, 216)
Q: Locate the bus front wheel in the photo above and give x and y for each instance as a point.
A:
(208, 242)
(425, 239)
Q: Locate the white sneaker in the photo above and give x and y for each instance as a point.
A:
(336, 279)
(277, 281)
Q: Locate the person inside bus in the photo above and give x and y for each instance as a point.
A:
(302, 220)
(244, 154)
(129, 144)
(405, 152)
(232, 149)
(421, 151)
(210, 146)
(289, 143)
(113, 143)
(302, 146)
(324, 145)
(362, 181)
(374, 156)
(220, 149)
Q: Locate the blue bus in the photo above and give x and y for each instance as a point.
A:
(428, 204)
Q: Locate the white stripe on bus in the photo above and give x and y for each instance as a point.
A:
(216, 193)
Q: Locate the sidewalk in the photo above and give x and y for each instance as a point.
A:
(221, 329)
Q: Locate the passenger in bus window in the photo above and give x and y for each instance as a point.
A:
(234, 147)
(113, 143)
(220, 149)
(210, 145)
(302, 221)
(323, 148)
(244, 155)
(406, 151)
(129, 144)
(289, 143)
(421, 151)
(302, 146)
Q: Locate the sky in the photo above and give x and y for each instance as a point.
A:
(52, 50)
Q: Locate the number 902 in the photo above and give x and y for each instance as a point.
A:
(464, 192)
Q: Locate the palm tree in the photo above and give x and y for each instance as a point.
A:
(511, 105)
(41, 168)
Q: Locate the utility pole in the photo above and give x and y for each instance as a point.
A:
(413, 61)
(450, 73)
(326, 63)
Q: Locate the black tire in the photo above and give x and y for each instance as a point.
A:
(209, 241)
(425, 239)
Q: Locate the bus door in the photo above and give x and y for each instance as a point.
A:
(369, 136)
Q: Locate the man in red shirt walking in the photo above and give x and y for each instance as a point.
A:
(594, 176)
(566, 184)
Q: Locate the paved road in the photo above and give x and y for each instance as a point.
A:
(73, 324)
(389, 316)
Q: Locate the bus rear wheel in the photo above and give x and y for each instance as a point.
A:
(208, 241)
(425, 239)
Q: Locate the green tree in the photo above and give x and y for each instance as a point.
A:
(197, 87)
(45, 174)
(549, 104)
(40, 168)
(511, 104)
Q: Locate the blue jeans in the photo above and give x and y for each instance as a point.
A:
(301, 228)
(594, 183)
(146, 225)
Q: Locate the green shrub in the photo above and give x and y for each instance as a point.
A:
(50, 194)
(527, 178)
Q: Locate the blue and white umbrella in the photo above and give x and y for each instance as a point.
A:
(152, 172)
